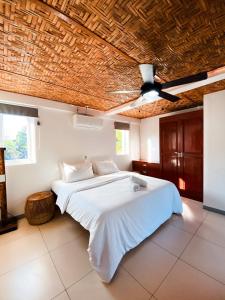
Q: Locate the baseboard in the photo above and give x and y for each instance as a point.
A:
(219, 211)
(20, 216)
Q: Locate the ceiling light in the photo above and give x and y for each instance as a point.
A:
(151, 94)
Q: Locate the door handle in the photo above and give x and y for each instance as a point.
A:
(179, 154)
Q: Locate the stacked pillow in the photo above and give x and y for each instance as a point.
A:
(84, 170)
(104, 167)
(76, 172)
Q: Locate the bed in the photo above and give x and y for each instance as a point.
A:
(117, 218)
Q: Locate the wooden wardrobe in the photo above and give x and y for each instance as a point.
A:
(181, 152)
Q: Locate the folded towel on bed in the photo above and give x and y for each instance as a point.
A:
(135, 187)
(139, 181)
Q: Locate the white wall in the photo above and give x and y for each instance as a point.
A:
(60, 141)
(149, 139)
(149, 136)
(214, 150)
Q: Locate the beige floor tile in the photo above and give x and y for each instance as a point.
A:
(62, 296)
(191, 218)
(187, 283)
(193, 210)
(37, 280)
(171, 238)
(60, 230)
(122, 287)
(71, 260)
(191, 202)
(189, 225)
(149, 264)
(21, 251)
(206, 257)
(24, 229)
(213, 229)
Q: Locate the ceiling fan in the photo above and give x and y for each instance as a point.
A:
(152, 90)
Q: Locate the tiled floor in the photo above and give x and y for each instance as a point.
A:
(184, 259)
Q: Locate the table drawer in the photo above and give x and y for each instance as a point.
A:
(146, 168)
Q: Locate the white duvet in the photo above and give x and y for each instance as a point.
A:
(117, 218)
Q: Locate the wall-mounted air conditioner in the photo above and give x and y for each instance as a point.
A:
(87, 121)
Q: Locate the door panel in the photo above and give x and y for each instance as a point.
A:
(192, 135)
(192, 175)
(169, 147)
(170, 169)
(169, 137)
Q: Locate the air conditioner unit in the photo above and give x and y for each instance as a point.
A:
(87, 121)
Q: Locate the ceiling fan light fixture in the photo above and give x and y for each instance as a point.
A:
(151, 94)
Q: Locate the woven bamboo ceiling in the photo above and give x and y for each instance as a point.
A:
(75, 51)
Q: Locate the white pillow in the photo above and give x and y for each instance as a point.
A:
(104, 167)
(76, 172)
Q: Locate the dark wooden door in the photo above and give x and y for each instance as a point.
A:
(184, 166)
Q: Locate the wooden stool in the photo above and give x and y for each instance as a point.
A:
(40, 208)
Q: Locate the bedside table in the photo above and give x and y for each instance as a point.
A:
(40, 208)
(146, 168)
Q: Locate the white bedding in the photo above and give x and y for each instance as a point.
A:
(117, 218)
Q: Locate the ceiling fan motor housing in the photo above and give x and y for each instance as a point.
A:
(149, 86)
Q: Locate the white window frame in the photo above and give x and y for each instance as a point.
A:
(125, 142)
(31, 143)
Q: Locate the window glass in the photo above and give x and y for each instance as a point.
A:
(18, 137)
(122, 142)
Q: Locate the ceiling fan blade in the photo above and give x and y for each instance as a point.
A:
(124, 91)
(147, 72)
(185, 80)
(172, 98)
(136, 102)
(142, 100)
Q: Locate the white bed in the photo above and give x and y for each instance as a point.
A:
(117, 218)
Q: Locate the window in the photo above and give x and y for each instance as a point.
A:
(18, 137)
(122, 142)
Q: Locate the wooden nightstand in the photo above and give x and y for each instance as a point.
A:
(146, 168)
(40, 208)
